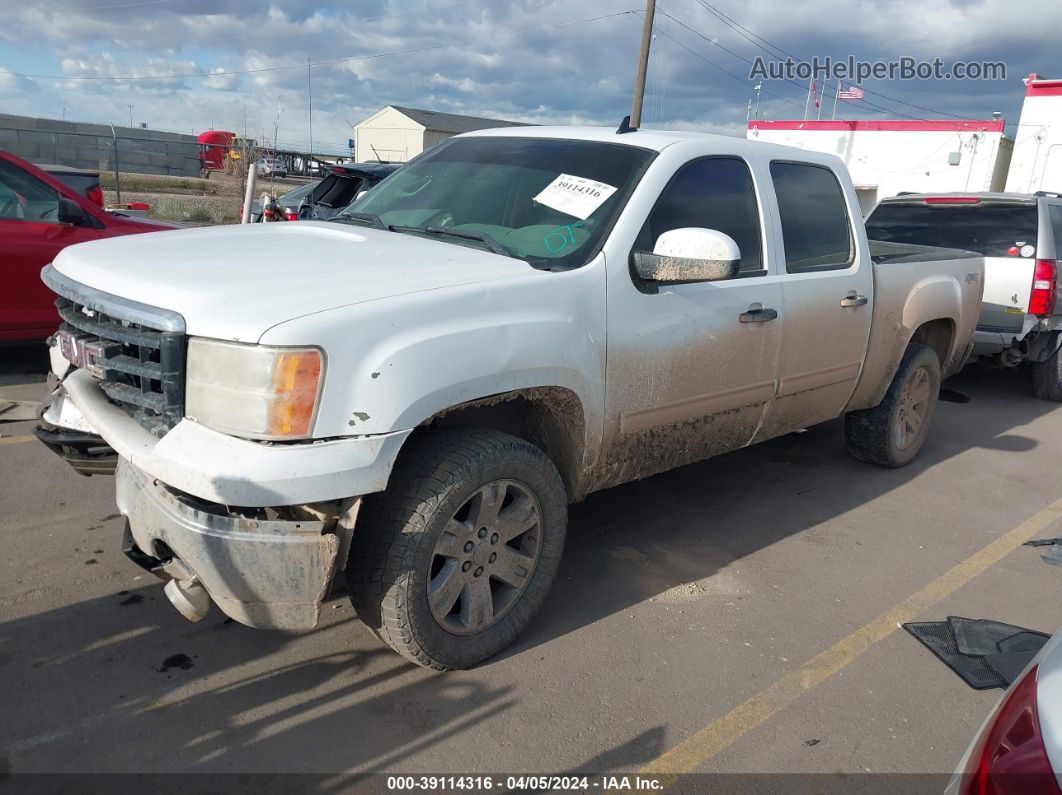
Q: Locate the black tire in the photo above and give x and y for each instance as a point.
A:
(395, 544)
(875, 435)
(1047, 376)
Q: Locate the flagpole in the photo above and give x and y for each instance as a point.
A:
(835, 97)
(807, 102)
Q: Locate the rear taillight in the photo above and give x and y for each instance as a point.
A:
(953, 200)
(1044, 287)
(1009, 757)
(95, 195)
(291, 215)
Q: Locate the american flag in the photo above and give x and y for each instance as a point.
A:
(852, 92)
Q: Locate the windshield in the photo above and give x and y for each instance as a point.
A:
(544, 200)
(992, 230)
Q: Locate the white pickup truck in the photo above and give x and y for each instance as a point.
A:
(415, 391)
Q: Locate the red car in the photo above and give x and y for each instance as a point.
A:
(39, 216)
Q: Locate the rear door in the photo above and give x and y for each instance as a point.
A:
(1003, 232)
(30, 237)
(826, 291)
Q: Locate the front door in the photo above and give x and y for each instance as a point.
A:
(691, 367)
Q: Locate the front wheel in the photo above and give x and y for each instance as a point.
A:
(449, 565)
(892, 433)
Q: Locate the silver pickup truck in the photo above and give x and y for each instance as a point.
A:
(1020, 237)
(513, 320)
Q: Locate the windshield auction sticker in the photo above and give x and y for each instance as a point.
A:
(576, 196)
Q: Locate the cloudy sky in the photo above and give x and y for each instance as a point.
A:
(231, 64)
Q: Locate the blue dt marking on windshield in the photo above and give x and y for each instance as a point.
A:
(561, 238)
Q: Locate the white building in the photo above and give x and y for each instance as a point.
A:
(889, 157)
(1037, 163)
(396, 134)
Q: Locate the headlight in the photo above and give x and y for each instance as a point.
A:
(256, 391)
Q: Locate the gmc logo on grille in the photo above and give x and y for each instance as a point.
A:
(84, 350)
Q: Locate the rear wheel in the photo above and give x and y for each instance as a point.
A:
(1047, 375)
(450, 564)
(892, 433)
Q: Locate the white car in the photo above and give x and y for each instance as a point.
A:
(419, 387)
(1018, 750)
(271, 167)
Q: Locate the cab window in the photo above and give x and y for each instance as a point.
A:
(23, 197)
(816, 233)
(710, 193)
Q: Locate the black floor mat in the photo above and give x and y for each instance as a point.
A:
(985, 654)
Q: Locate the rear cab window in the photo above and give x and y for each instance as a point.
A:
(990, 229)
(816, 229)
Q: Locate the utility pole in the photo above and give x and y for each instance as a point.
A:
(643, 64)
(309, 104)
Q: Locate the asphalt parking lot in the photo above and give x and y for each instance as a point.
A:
(735, 616)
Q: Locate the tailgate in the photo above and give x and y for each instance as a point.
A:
(1008, 283)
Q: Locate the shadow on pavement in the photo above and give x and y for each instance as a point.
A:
(636, 541)
(221, 703)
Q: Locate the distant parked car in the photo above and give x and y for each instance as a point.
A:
(271, 167)
(324, 199)
(85, 181)
(1020, 237)
(40, 214)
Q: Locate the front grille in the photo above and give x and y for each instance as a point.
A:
(139, 367)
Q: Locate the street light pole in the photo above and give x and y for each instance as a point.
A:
(643, 64)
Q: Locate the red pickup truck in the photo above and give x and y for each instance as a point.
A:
(39, 216)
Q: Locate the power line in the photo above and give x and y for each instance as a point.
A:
(713, 64)
(742, 30)
(327, 62)
(828, 92)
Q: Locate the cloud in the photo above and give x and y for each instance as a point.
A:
(533, 60)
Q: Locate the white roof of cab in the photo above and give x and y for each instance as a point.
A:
(658, 140)
(648, 139)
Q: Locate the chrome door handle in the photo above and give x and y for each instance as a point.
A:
(853, 300)
(759, 315)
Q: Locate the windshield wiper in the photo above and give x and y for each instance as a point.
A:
(482, 237)
(372, 219)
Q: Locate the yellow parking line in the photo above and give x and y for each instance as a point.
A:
(16, 439)
(718, 735)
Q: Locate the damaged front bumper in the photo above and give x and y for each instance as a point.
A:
(260, 569)
(63, 430)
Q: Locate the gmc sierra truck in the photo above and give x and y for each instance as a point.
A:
(414, 391)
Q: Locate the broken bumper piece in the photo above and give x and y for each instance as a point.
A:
(266, 573)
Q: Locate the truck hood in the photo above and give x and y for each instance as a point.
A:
(236, 282)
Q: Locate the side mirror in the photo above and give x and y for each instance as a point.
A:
(689, 255)
(70, 212)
